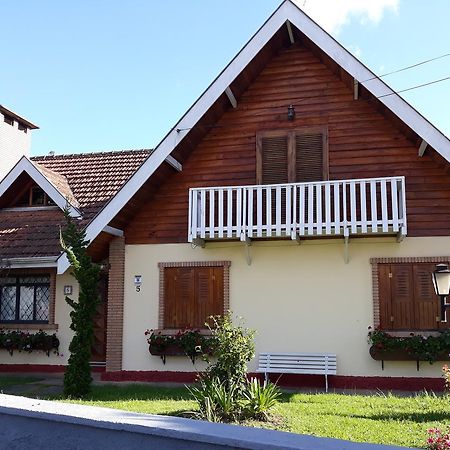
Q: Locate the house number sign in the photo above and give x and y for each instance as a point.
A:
(138, 282)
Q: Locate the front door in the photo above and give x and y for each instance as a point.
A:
(98, 349)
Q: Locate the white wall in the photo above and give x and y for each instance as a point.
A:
(299, 298)
(14, 143)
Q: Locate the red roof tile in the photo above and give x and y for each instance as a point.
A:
(90, 178)
(30, 233)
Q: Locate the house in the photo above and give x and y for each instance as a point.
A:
(299, 191)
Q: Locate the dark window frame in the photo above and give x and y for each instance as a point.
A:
(18, 284)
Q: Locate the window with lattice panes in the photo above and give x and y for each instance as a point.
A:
(25, 299)
(407, 299)
(293, 156)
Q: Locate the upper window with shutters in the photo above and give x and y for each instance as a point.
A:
(293, 156)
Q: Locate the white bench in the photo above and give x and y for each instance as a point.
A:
(298, 363)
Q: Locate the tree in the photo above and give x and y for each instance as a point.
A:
(77, 378)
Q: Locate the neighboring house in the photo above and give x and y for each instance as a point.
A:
(15, 139)
(299, 191)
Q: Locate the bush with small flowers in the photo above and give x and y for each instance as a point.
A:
(438, 439)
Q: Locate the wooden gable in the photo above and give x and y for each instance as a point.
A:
(362, 143)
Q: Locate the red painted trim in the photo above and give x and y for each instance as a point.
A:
(293, 381)
(129, 375)
(41, 368)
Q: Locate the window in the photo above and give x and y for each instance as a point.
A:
(8, 119)
(191, 292)
(291, 156)
(405, 298)
(39, 198)
(25, 299)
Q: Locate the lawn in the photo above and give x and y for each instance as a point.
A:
(14, 380)
(383, 419)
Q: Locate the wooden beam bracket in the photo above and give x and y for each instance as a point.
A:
(346, 242)
(198, 242)
(112, 230)
(231, 97)
(355, 89)
(423, 147)
(401, 235)
(290, 32)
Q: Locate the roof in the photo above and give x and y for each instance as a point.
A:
(20, 119)
(286, 14)
(88, 180)
(93, 178)
(31, 233)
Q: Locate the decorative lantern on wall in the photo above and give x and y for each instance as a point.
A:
(441, 282)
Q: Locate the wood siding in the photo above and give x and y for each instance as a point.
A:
(362, 143)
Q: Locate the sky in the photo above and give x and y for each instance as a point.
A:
(100, 75)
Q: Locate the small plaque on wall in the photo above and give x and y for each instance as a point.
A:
(68, 290)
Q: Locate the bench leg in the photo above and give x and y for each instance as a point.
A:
(266, 377)
(326, 383)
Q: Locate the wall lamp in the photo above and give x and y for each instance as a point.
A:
(291, 112)
(441, 283)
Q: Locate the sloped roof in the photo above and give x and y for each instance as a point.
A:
(286, 13)
(94, 178)
(31, 233)
(60, 182)
(89, 179)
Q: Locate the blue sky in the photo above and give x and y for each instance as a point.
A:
(99, 75)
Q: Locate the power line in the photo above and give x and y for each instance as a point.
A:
(415, 87)
(407, 67)
(370, 99)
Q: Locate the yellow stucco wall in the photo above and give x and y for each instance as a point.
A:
(62, 319)
(299, 298)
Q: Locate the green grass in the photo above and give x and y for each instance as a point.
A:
(14, 380)
(383, 419)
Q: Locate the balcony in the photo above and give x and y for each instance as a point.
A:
(366, 207)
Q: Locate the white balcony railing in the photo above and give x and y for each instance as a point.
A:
(326, 208)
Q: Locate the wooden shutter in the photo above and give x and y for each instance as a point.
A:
(407, 299)
(309, 159)
(384, 289)
(402, 297)
(178, 296)
(191, 294)
(272, 159)
(426, 302)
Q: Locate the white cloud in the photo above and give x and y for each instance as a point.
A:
(333, 14)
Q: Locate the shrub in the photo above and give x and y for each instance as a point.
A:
(260, 398)
(217, 402)
(446, 375)
(438, 439)
(224, 393)
(234, 348)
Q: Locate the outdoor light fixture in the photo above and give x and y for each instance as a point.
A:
(291, 112)
(441, 282)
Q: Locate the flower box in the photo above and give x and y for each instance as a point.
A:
(186, 342)
(26, 342)
(403, 355)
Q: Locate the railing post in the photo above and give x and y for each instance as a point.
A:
(190, 213)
